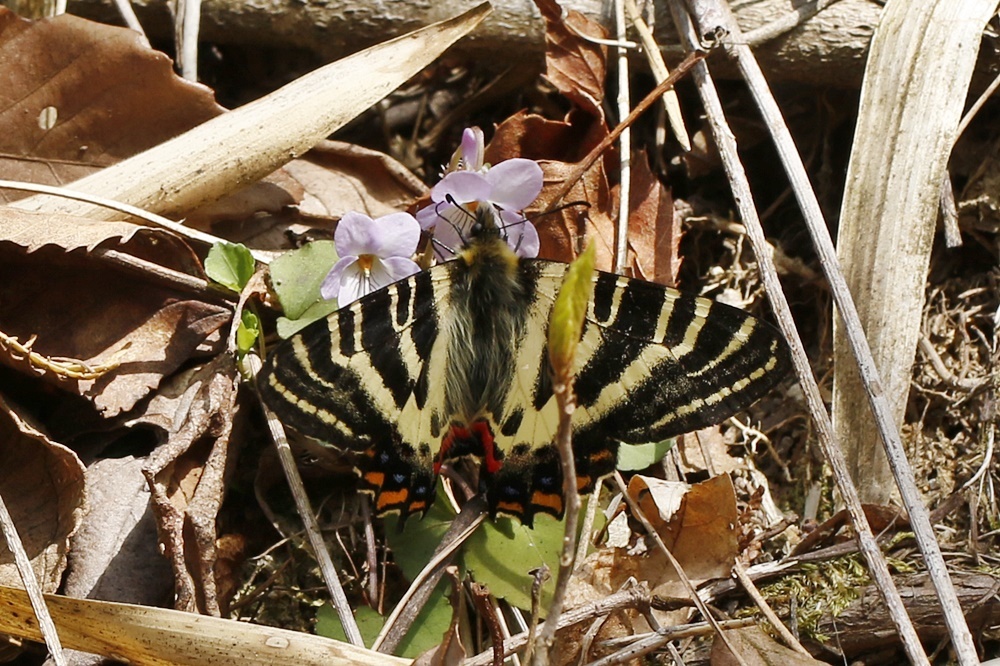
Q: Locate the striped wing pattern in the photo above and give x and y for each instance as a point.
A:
(453, 361)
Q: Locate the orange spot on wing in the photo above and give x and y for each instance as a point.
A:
(551, 501)
(583, 483)
(394, 499)
(514, 508)
(375, 479)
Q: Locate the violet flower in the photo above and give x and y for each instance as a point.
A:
(509, 187)
(373, 254)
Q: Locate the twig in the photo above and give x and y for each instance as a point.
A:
(699, 603)
(27, 574)
(942, 370)
(624, 147)
(186, 28)
(644, 644)
(636, 596)
(743, 197)
(135, 211)
(566, 401)
(786, 22)
(304, 507)
(471, 516)
(131, 20)
(741, 575)
(660, 72)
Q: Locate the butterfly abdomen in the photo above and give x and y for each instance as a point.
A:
(489, 301)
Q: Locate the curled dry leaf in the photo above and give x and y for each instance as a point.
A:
(42, 484)
(756, 648)
(188, 481)
(32, 231)
(88, 311)
(114, 555)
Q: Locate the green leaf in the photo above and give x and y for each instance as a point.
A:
(426, 632)
(320, 310)
(247, 332)
(569, 311)
(413, 546)
(428, 629)
(502, 553)
(633, 457)
(230, 264)
(328, 623)
(296, 277)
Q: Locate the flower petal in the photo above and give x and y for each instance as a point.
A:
(354, 235)
(352, 285)
(515, 183)
(448, 239)
(330, 288)
(392, 270)
(462, 186)
(472, 148)
(395, 235)
(521, 235)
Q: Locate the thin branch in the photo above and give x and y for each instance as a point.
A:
(624, 146)
(24, 569)
(726, 143)
(765, 608)
(304, 507)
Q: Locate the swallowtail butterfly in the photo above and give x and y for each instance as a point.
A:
(452, 362)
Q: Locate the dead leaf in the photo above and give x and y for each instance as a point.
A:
(701, 533)
(576, 66)
(339, 177)
(756, 648)
(42, 484)
(114, 555)
(32, 231)
(93, 95)
(187, 474)
(87, 311)
(654, 232)
(224, 153)
(144, 635)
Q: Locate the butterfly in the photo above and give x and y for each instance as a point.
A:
(452, 362)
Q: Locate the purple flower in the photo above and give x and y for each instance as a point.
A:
(469, 156)
(373, 254)
(509, 187)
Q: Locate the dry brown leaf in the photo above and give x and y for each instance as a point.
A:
(93, 95)
(188, 481)
(340, 177)
(574, 65)
(90, 312)
(700, 531)
(756, 648)
(32, 231)
(42, 484)
(654, 232)
(114, 555)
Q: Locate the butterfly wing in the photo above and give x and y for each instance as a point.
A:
(651, 363)
(364, 380)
